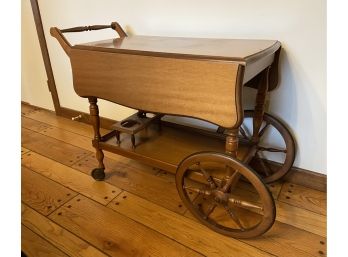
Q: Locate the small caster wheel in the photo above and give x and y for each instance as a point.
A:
(98, 174)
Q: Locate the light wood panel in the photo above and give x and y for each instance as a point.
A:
(181, 229)
(35, 246)
(162, 85)
(129, 178)
(33, 124)
(71, 178)
(115, 234)
(43, 194)
(303, 197)
(58, 236)
(52, 148)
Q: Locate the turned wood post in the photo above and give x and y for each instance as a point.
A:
(231, 148)
(231, 145)
(260, 104)
(95, 121)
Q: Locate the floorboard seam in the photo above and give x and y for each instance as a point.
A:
(61, 128)
(175, 239)
(45, 240)
(127, 218)
(303, 208)
(83, 149)
(68, 229)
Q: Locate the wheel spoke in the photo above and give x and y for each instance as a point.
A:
(210, 210)
(207, 177)
(230, 181)
(234, 217)
(197, 190)
(272, 150)
(263, 130)
(242, 131)
(244, 204)
(265, 168)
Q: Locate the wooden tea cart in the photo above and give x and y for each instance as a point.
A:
(220, 175)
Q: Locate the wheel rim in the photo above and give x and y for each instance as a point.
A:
(234, 212)
(269, 170)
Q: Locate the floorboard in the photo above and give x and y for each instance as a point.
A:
(303, 197)
(281, 240)
(128, 178)
(52, 119)
(35, 246)
(57, 235)
(71, 178)
(52, 148)
(115, 234)
(34, 125)
(43, 194)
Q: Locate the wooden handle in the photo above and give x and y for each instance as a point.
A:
(58, 34)
(55, 32)
(86, 28)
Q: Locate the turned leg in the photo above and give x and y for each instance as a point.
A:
(260, 105)
(97, 174)
(133, 141)
(231, 148)
(231, 145)
(118, 141)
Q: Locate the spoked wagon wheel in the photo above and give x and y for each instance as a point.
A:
(217, 200)
(276, 145)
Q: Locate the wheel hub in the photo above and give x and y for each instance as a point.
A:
(220, 196)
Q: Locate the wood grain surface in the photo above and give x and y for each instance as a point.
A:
(57, 235)
(231, 49)
(281, 240)
(175, 226)
(43, 194)
(35, 246)
(113, 233)
(52, 119)
(71, 178)
(193, 88)
(300, 196)
(132, 180)
(33, 124)
(52, 148)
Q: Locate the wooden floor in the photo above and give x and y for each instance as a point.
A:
(136, 211)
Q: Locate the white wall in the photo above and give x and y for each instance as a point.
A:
(300, 99)
(34, 87)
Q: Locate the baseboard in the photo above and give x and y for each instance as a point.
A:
(307, 178)
(310, 179)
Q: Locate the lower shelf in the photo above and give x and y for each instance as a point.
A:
(165, 149)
